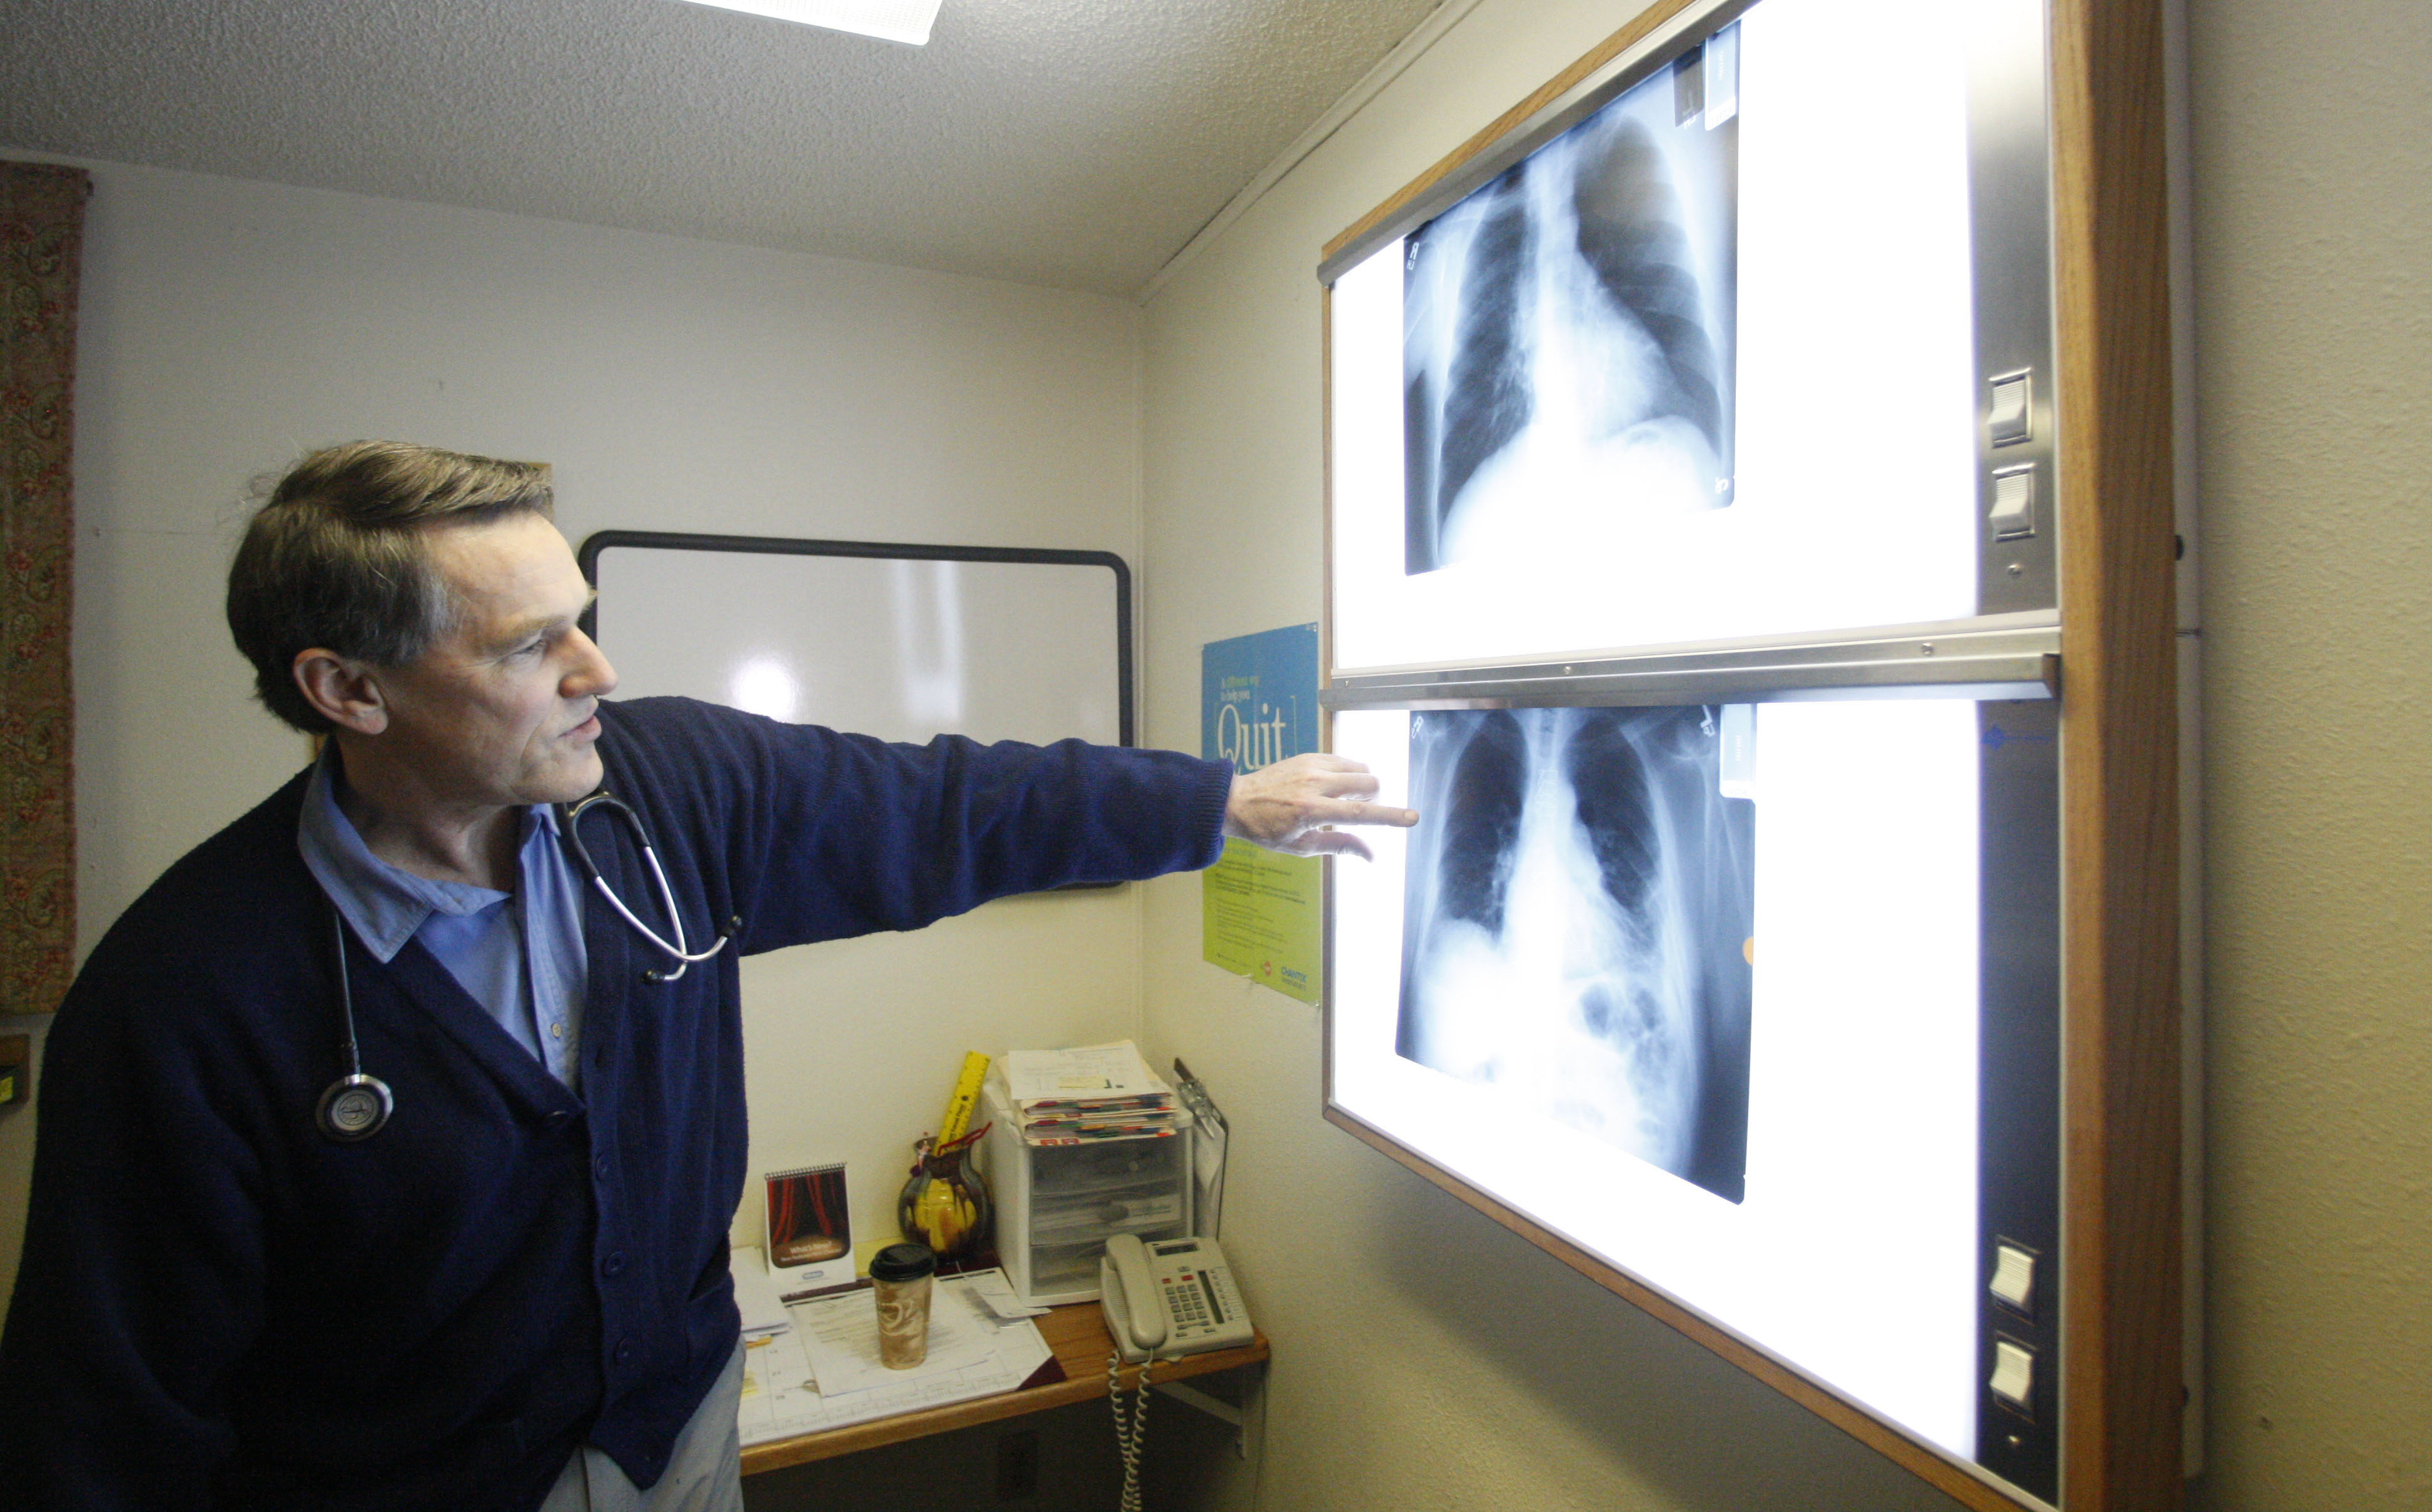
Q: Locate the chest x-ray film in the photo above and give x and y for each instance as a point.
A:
(1568, 330)
(1578, 923)
(1696, 989)
(1700, 367)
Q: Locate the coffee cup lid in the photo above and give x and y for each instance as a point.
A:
(902, 1262)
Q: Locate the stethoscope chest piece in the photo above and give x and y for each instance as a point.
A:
(354, 1107)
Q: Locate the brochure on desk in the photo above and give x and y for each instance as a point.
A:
(823, 1372)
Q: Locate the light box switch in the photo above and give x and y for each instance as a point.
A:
(2014, 1277)
(2014, 1373)
(2014, 503)
(2013, 416)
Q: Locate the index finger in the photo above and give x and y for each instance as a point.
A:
(1328, 762)
(1360, 783)
(1346, 810)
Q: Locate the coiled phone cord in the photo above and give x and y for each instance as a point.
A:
(1131, 1423)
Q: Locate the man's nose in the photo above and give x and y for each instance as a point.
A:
(592, 677)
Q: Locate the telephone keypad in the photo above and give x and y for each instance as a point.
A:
(1183, 1304)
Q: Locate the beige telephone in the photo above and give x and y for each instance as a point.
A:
(1170, 1297)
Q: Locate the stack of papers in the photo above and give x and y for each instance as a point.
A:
(824, 1371)
(755, 1294)
(1071, 1097)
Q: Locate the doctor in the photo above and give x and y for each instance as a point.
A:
(502, 1282)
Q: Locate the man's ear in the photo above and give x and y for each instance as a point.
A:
(347, 692)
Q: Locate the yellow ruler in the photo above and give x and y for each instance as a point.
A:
(966, 1097)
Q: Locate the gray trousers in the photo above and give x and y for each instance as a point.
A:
(704, 1473)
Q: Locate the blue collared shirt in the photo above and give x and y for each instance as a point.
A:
(519, 954)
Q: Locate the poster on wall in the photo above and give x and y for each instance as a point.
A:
(1261, 913)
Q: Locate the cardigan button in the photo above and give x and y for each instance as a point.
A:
(624, 1352)
(599, 1167)
(614, 1266)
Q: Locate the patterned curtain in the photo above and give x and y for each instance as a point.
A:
(41, 235)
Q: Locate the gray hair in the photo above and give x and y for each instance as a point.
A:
(337, 557)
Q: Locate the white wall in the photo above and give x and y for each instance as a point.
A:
(228, 326)
(2313, 285)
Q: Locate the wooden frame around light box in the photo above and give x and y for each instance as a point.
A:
(2121, 1381)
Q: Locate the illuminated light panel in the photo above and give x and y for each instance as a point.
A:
(1855, 486)
(1852, 1255)
(902, 20)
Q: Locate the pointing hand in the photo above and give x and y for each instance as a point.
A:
(1287, 807)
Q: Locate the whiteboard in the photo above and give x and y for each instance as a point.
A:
(901, 642)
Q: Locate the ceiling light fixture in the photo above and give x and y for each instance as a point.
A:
(903, 21)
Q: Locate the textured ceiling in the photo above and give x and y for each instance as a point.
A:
(1077, 142)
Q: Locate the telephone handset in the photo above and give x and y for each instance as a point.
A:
(1170, 1297)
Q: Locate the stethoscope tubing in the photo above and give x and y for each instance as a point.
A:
(569, 824)
(357, 1106)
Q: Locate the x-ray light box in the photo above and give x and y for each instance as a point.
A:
(1727, 1043)
(1703, 364)
(1692, 519)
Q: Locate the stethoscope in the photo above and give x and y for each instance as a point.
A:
(357, 1105)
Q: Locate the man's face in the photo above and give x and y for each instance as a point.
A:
(500, 710)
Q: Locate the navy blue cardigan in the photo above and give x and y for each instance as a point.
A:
(219, 1306)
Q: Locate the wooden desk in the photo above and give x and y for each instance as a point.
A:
(1078, 1335)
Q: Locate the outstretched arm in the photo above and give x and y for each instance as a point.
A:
(1288, 805)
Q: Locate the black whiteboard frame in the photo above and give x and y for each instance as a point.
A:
(588, 557)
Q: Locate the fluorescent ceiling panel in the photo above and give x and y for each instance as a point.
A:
(903, 21)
